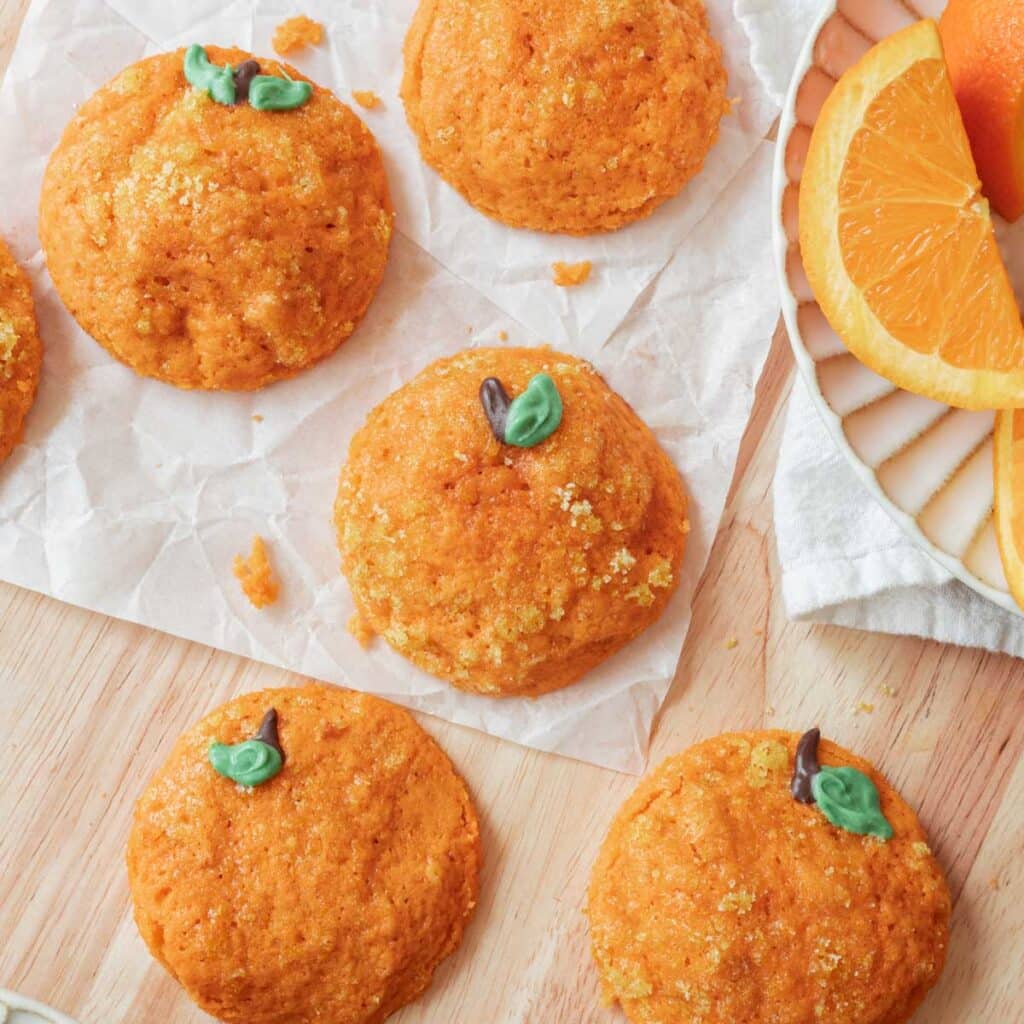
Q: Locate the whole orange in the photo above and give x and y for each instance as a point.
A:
(984, 44)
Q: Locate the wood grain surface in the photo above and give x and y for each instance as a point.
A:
(89, 707)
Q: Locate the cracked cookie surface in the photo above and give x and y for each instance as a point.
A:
(508, 571)
(718, 897)
(328, 894)
(214, 246)
(564, 116)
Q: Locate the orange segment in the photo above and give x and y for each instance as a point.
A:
(1009, 514)
(896, 238)
(984, 46)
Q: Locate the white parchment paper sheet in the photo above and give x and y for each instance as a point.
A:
(131, 497)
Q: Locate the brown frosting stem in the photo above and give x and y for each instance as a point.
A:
(268, 732)
(806, 766)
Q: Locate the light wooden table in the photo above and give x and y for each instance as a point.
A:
(89, 707)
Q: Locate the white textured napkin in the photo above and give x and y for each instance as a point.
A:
(845, 561)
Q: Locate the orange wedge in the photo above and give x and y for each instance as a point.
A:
(896, 237)
(1009, 468)
(985, 56)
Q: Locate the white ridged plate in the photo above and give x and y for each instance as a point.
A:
(930, 466)
(15, 1009)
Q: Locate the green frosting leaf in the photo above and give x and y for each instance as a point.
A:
(267, 92)
(849, 799)
(535, 414)
(218, 83)
(249, 764)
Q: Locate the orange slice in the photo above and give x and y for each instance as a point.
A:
(896, 237)
(985, 56)
(1009, 468)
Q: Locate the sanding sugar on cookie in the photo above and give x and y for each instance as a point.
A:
(215, 220)
(572, 116)
(765, 877)
(506, 521)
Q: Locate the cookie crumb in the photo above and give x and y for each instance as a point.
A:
(296, 34)
(257, 418)
(360, 629)
(731, 644)
(886, 691)
(503, 335)
(259, 584)
(366, 98)
(864, 708)
(569, 275)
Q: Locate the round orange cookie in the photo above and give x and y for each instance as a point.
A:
(214, 246)
(327, 894)
(21, 351)
(575, 116)
(508, 570)
(718, 897)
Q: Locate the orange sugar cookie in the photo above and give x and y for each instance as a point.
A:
(212, 244)
(719, 896)
(21, 351)
(572, 116)
(304, 855)
(509, 567)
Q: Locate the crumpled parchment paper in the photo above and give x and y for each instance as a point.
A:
(131, 497)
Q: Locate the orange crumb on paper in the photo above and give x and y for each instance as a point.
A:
(366, 98)
(568, 275)
(358, 627)
(503, 335)
(297, 33)
(259, 584)
(257, 418)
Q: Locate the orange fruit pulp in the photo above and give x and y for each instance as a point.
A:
(984, 45)
(896, 239)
